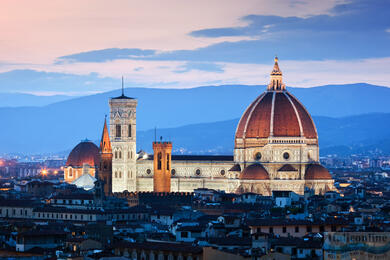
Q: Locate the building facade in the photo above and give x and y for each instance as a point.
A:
(276, 148)
(123, 142)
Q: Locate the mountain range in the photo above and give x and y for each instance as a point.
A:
(198, 120)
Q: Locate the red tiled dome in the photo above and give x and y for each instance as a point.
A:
(276, 113)
(254, 172)
(317, 172)
(84, 152)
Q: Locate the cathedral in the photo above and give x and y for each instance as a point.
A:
(276, 148)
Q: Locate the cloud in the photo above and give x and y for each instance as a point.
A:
(107, 55)
(41, 30)
(86, 78)
(201, 66)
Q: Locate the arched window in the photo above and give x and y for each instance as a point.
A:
(120, 175)
(116, 175)
(70, 172)
(120, 154)
(168, 161)
(128, 174)
(116, 154)
(159, 158)
(118, 131)
(129, 131)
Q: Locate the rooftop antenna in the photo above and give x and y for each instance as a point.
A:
(155, 134)
(123, 91)
(161, 138)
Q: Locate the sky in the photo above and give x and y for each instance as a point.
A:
(78, 47)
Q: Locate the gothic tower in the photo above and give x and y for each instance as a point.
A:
(123, 141)
(162, 166)
(105, 166)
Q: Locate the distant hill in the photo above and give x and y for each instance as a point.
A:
(59, 126)
(362, 134)
(27, 100)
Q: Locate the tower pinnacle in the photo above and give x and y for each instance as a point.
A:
(105, 144)
(276, 78)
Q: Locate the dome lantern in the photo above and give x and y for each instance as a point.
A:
(276, 83)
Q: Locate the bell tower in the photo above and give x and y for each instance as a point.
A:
(123, 141)
(162, 166)
(105, 166)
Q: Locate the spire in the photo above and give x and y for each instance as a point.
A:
(105, 144)
(276, 78)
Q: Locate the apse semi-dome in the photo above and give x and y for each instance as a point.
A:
(254, 172)
(316, 171)
(85, 152)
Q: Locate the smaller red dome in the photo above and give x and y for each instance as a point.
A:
(254, 172)
(85, 152)
(317, 172)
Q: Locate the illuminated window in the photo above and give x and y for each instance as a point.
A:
(118, 131)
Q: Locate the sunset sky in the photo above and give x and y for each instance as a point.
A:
(84, 46)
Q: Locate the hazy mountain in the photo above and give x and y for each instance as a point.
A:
(346, 135)
(61, 125)
(27, 100)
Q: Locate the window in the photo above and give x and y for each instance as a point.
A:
(223, 172)
(120, 174)
(148, 171)
(70, 172)
(284, 229)
(168, 161)
(258, 156)
(118, 131)
(116, 175)
(120, 154)
(159, 158)
(173, 171)
(309, 229)
(184, 234)
(129, 131)
(116, 155)
(296, 229)
(286, 156)
(271, 230)
(322, 228)
(197, 172)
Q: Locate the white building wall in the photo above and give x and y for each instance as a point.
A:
(123, 113)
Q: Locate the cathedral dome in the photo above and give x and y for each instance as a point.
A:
(316, 171)
(85, 152)
(276, 113)
(254, 172)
